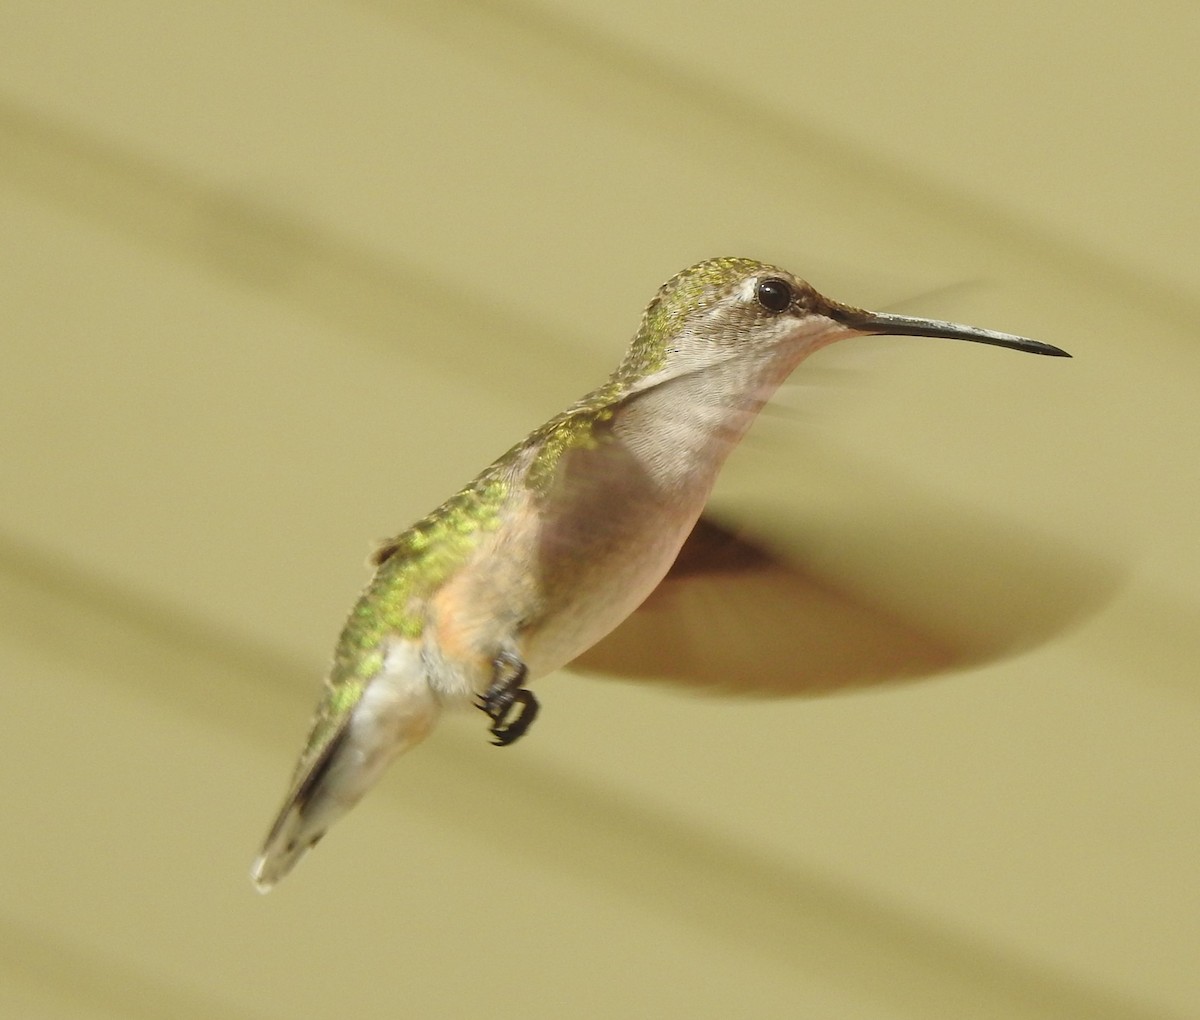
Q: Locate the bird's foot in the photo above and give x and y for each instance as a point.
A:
(506, 694)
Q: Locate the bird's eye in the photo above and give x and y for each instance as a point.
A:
(774, 294)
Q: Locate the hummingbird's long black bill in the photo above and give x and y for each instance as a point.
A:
(885, 324)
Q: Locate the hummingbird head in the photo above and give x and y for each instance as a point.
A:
(732, 308)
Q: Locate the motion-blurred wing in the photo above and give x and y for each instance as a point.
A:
(860, 606)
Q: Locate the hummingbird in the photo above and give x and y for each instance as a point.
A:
(555, 543)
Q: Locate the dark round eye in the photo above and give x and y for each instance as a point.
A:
(774, 294)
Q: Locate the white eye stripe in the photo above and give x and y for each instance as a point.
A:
(748, 289)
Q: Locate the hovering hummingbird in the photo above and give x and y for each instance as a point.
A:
(564, 536)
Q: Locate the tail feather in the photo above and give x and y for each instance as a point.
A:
(282, 850)
(293, 834)
(397, 711)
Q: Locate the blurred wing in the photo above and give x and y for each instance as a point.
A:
(734, 617)
(861, 606)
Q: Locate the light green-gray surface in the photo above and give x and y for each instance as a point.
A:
(277, 279)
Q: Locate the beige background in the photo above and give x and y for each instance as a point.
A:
(277, 278)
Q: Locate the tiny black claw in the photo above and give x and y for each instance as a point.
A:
(506, 732)
(505, 692)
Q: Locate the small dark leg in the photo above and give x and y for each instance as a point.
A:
(503, 695)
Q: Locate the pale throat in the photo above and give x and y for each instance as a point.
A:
(682, 429)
